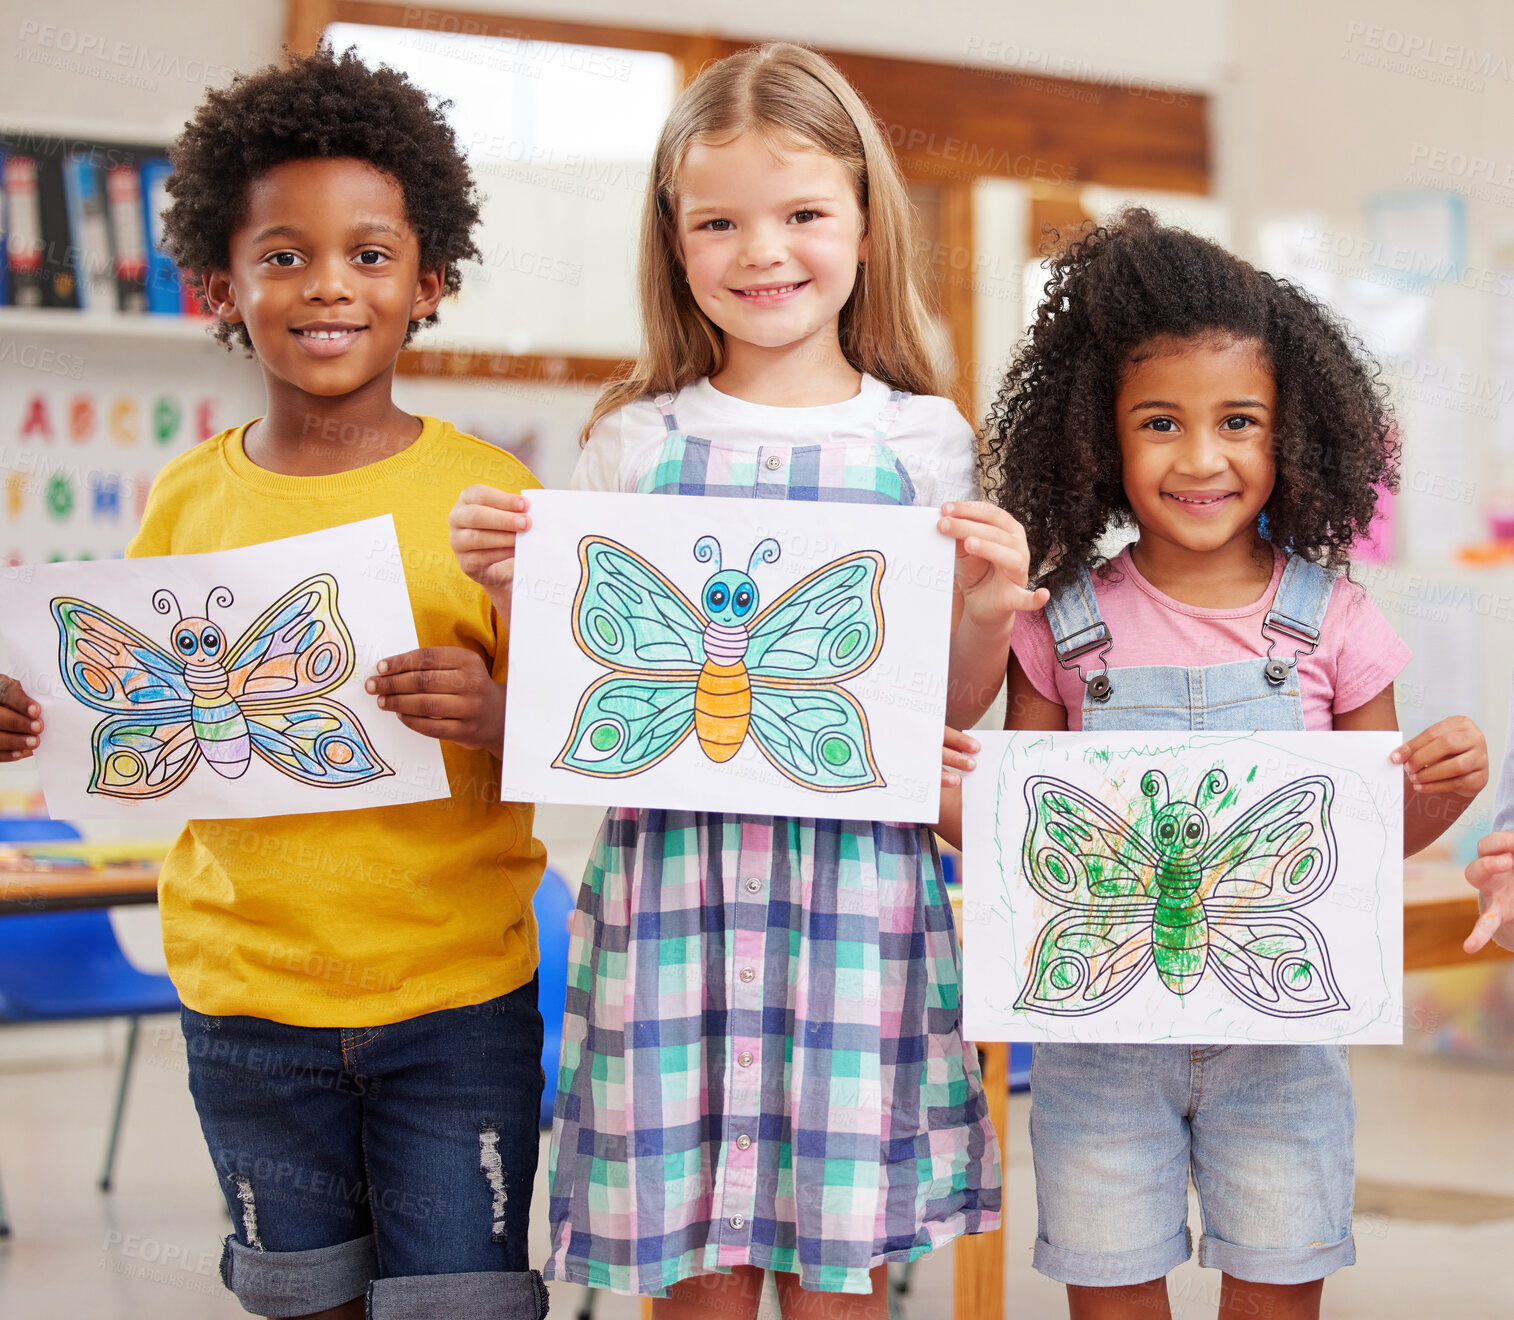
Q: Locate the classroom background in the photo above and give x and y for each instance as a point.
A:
(1360, 148)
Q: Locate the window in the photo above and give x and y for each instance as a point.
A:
(560, 138)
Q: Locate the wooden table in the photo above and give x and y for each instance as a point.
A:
(39, 887)
(1440, 909)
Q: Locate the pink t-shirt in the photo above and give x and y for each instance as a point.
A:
(1358, 654)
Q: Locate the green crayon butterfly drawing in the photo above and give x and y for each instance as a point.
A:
(724, 670)
(1164, 894)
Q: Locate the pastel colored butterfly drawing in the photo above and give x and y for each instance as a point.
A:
(204, 698)
(1163, 893)
(723, 670)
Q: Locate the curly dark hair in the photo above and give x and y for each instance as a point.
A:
(1050, 453)
(316, 105)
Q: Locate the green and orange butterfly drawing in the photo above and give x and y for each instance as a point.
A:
(725, 670)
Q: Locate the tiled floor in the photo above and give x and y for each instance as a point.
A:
(149, 1250)
(1435, 1229)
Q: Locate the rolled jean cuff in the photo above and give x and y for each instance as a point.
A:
(1111, 1269)
(291, 1283)
(484, 1295)
(1276, 1264)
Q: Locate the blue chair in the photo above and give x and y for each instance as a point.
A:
(1019, 1067)
(68, 966)
(553, 906)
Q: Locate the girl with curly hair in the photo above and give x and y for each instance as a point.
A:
(1228, 419)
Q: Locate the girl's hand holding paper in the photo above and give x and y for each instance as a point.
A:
(483, 526)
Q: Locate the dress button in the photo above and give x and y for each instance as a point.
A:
(772, 462)
(738, 1221)
(748, 974)
(753, 884)
(745, 1058)
(743, 1142)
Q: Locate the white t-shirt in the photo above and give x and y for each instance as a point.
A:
(931, 438)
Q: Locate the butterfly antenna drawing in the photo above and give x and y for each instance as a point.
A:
(163, 600)
(707, 548)
(765, 552)
(1154, 781)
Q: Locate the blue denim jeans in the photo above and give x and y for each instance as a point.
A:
(395, 1161)
(1264, 1131)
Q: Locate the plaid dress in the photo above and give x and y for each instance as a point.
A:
(762, 1058)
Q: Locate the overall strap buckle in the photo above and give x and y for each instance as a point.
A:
(1078, 629)
(1096, 637)
(664, 404)
(889, 413)
(1297, 611)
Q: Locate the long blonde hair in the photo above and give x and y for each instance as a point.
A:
(791, 94)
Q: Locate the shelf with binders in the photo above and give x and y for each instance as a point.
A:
(81, 221)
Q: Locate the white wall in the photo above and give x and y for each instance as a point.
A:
(1179, 42)
(1322, 107)
(139, 69)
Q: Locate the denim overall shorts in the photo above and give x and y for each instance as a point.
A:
(1265, 1131)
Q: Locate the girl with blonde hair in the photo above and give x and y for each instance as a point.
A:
(762, 1063)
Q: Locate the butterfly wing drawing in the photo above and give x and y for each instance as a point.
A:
(315, 740)
(630, 617)
(280, 673)
(298, 647)
(627, 615)
(147, 748)
(1279, 856)
(1081, 857)
(1277, 963)
(826, 628)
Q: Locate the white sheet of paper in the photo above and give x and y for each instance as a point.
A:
(1308, 948)
(372, 602)
(901, 693)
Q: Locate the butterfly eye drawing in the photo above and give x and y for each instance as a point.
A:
(203, 697)
(1162, 894)
(725, 669)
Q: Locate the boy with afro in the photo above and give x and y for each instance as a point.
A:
(359, 987)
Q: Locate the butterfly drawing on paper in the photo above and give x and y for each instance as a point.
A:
(205, 698)
(722, 670)
(1165, 894)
